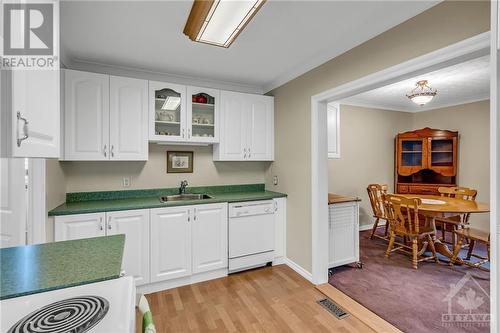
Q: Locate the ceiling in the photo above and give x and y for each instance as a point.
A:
(459, 84)
(284, 40)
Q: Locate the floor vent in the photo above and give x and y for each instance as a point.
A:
(333, 308)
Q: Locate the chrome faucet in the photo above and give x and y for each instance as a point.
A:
(182, 189)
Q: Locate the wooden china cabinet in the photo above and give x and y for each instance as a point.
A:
(425, 160)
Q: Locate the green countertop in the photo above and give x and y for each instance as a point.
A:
(37, 268)
(93, 202)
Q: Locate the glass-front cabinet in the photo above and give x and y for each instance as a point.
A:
(183, 114)
(202, 115)
(167, 112)
(412, 155)
(443, 155)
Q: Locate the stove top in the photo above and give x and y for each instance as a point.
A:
(101, 307)
(75, 315)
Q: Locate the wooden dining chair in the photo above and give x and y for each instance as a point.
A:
(456, 221)
(472, 235)
(375, 194)
(404, 222)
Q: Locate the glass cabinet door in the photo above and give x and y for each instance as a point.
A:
(203, 114)
(443, 155)
(411, 156)
(168, 111)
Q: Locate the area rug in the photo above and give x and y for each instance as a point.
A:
(433, 298)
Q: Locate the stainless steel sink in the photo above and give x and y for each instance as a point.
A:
(179, 197)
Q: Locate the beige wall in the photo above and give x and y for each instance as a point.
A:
(472, 123)
(104, 176)
(440, 26)
(366, 153)
(55, 192)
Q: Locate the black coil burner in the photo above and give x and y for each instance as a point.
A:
(72, 315)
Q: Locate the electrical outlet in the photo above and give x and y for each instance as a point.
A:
(275, 180)
(126, 181)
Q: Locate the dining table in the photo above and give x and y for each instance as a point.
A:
(439, 206)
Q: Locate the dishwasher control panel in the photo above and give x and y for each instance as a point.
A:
(251, 208)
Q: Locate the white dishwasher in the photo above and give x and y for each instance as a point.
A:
(251, 234)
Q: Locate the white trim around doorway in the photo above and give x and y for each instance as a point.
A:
(37, 211)
(468, 49)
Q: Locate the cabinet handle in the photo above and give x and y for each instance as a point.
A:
(189, 133)
(25, 129)
(109, 223)
(275, 206)
(189, 216)
(112, 150)
(194, 214)
(100, 224)
(105, 151)
(249, 154)
(183, 133)
(244, 153)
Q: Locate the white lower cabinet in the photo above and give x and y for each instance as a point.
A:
(69, 227)
(209, 237)
(188, 240)
(135, 225)
(170, 243)
(279, 230)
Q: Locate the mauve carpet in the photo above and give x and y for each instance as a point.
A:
(415, 300)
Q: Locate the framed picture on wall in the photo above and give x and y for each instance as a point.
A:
(179, 162)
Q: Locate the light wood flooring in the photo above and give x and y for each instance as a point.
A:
(271, 299)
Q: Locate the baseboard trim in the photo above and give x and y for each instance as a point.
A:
(370, 226)
(298, 269)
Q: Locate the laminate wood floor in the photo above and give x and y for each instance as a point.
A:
(271, 299)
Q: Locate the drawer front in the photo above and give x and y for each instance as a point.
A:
(403, 189)
(423, 189)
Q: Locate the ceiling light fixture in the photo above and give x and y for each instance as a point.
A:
(422, 93)
(171, 103)
(219, 22)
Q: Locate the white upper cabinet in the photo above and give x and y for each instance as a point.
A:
(86, 116)
(202, 115)
(167, 112)
(247, 128)
(106, 118)
(260, 129)
(128, 119)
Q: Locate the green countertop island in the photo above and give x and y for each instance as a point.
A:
(106, 201)
(33, 269)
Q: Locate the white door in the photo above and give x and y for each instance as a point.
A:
(202, 116)
(167, 112)
(233, 127)
(134, 224)
(209, 237)
(86, 116)
(12, 202)
(260, 146)
(170, 243)
(79, 226)
(128, 120)
(35, 113)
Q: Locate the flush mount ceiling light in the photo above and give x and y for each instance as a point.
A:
(219, 22)
(171, 103)
(422, 93)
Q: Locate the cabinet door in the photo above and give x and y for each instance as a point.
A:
(135, 225)
(202, 114)
(443, 155)
(79, 226)
(209, 237)
(167, 112)
(170, 243)
(86, 116)
(280, 228)
(233, 127)
(35, 113)
(128, 121)
(344, 233)
(260, 142)
(412, 156)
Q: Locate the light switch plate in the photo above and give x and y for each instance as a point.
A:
(126, 181)
(275, 180)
